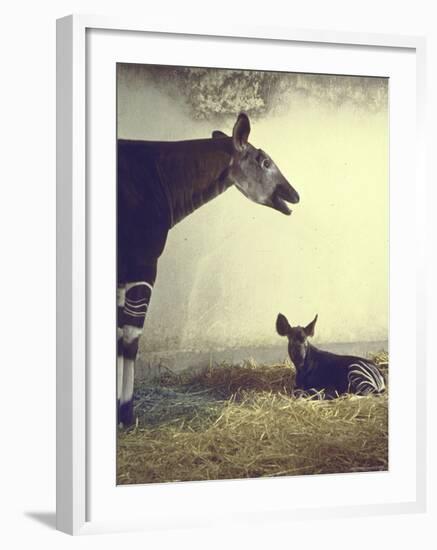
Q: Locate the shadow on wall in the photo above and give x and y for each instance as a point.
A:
(45, 518)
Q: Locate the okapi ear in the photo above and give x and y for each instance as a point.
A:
(309, 329)
(217, 134)
(241, 131)
(282, 326)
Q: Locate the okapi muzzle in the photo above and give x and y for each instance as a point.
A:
(326, 373)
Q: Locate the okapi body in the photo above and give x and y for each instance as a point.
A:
(158, 185)
(322, 371)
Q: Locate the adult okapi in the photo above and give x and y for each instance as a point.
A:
(159, 184)
(327, 372)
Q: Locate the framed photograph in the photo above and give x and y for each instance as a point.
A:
(241, 272)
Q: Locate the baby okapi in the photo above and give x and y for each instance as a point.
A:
(327, 372)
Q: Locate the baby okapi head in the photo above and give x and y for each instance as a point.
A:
(297, 338)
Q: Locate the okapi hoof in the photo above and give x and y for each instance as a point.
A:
(126, 413)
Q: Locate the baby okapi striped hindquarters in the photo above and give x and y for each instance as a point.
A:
(324, 371)
(158, 185)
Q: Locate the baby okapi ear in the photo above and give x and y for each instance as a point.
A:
(217, 134)
(241, 131)
(282, 326)
(309, 329)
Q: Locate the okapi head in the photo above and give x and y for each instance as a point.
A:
(297, 338)
(254, 173)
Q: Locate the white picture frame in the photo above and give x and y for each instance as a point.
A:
(75, 398)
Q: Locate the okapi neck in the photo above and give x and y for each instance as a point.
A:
(193, 173)
(306, 362)
(297, 361)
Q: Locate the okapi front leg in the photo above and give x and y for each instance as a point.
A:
(121, 290)
(137, 298)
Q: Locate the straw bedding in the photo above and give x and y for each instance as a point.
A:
(242, 421)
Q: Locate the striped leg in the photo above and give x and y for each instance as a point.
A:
(365, 378)
(137, 298)
(121, 290)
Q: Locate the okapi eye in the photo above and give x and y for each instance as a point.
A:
(266, 163)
